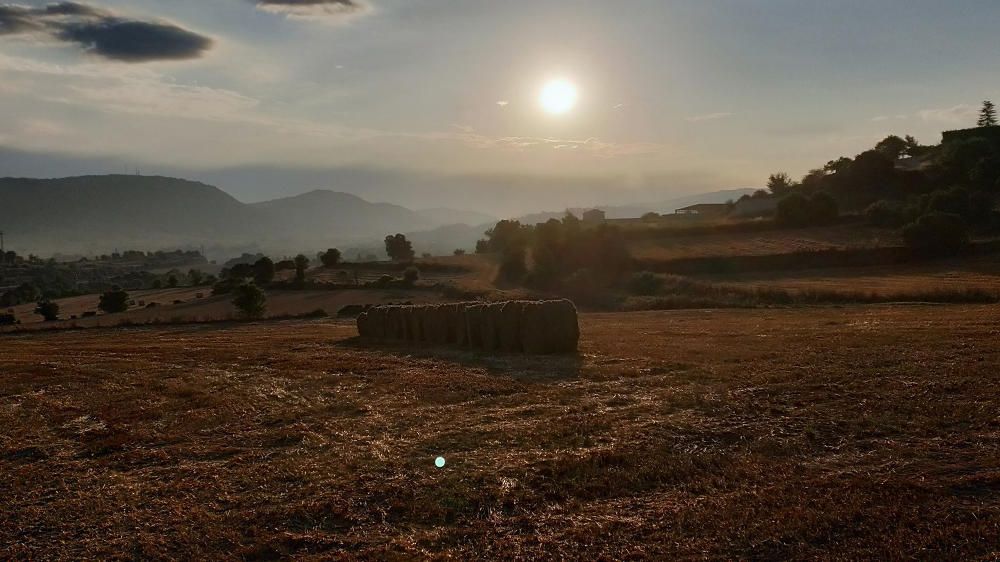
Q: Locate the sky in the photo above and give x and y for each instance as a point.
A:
(673, 96)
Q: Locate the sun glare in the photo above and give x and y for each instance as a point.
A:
(558, 97)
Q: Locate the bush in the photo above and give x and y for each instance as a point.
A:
(8, 320)
(885, 214)
(48, 310)
(799, 210)
(512, 264)
(250, 300)
(459, 252)
(330, 258)
(645, 284)
(263, 271)
(114, 301)
(937, 234)
(411, 275)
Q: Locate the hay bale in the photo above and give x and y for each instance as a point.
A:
(394, 323)
(508, 326)
(404, 322)
(437, 316)
(550, 327)
(490, 326)
(533, 329)
(459, 332)
(562, 326)
(364, 323)
(474, 325)
(376, 323)
(414, 329)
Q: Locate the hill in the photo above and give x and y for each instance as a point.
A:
(95, 214)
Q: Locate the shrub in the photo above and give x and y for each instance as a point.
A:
(799, 210)
(411, 275)
(459, 252)
(48, 310)
(885, 214)
(114, 301)
(645, 284)
(936, 234)
(250, 300)
(512, 264)
(8, 320)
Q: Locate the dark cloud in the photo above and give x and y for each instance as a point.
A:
(315, 8)
(103, 33)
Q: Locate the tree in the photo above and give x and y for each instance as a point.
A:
(399, 248)
(330, 258)
(892, 146)
(172, 281)
(987, 115)
(196, 277)
(250, 300)
(301, 264)
(114, 301)
(512, 264)
(47, 310)
(459, 252)
(913, 147)
(263, 271)
(780, 183)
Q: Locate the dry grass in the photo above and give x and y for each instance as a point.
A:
(777, 241)
(854, 433)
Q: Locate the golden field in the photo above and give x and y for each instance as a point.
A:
(850, 433)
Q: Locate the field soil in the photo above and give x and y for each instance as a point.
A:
(849, 433)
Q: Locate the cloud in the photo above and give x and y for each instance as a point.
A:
(503, 103)
(103, 33)
(883, 118)
(332, 10)
(961, 113)
(708, 117)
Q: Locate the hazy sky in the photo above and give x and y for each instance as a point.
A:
(712, 92)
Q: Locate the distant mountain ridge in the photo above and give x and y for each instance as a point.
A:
(100, 213)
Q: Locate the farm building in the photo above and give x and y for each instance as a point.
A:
(705, 210)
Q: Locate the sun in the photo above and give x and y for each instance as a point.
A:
(558, 97)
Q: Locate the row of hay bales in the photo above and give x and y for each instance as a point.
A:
(513, 326)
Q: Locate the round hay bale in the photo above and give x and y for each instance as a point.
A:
(562, 326)
(376, 318)
(460, 335)
(508, 326)
(490, 326)
(405, 312)
(414, 329)
(394, 323)
(439, 319)
(474, 325)
(364, 329)
(533, 328)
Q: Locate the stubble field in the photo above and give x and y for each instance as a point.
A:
(846, 433)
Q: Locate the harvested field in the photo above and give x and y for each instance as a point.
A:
(974, 273)
(852, 433)
(209, 308)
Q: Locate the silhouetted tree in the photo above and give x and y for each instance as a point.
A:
(250, 300)
(114, 301)
(459, 252)
(301, 264)
(172, 281)
(892, 146)
(195, 277)
(263, 271)
(987, 115)
(780, 183)
(47, 310)
(399, 248)
(330, 258)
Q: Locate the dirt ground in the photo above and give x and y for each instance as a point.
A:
(845, 433)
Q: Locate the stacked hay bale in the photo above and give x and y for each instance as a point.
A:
(513, 326)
